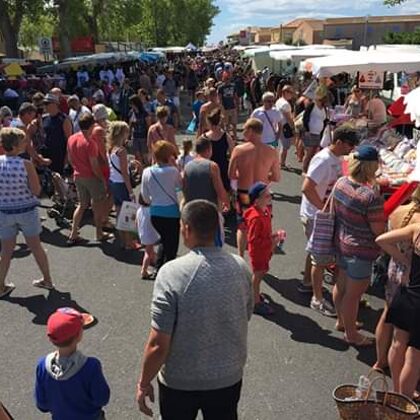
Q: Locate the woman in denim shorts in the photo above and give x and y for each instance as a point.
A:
(19, 186)
(359, 219)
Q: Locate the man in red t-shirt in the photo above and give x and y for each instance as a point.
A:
(83, 155)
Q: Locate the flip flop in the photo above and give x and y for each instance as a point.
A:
(42, 284)
(105, 237)
(364, 342)
(8, 288)
(359, 326)
(76, 241)
(148, 276)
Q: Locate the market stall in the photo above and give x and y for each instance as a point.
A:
(398, 154)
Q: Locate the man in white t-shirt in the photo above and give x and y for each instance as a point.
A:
(283, 105)
(323, 172)
(76, 110)
(271, 118)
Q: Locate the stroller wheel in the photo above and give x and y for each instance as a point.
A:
(53, 213)
(329, 278)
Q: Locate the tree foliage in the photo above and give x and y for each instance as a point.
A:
(402, 37)
(149, 22)
(393, 2)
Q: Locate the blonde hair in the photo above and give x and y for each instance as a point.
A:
(415, 200)
(11, 137)
(362, 171)
(118, 132)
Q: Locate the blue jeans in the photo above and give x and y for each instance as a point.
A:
(28, 223)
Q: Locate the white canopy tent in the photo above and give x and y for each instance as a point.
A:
(304, 53)
(250, 53)
(412, 106)
(352, 62)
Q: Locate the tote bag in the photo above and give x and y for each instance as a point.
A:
(321, 241)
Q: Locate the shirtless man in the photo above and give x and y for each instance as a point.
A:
(251, 162)
(210, 105)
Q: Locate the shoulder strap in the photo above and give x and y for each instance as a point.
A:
(114, 166)
(162, 188)
(271, 124)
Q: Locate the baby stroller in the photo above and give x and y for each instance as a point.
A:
(64, 199)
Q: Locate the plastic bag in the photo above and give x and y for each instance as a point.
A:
(326, 137)
(127, 217)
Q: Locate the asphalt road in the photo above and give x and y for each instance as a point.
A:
(295, 357)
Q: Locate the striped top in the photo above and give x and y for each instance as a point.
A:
(356, 206)
(15, 194)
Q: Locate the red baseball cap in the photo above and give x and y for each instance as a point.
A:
(64, 324)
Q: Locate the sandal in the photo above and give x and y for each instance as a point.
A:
(42, 284)
(76, 241)
(105, 237)
(148, 276)
(359, 326)
(8, 288)
(364, 342)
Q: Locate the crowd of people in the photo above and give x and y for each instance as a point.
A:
(103, 130)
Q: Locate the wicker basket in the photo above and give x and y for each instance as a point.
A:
(386, 405)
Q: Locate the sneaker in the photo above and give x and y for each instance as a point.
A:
(263, 309)
(323, 307)
(304, 288)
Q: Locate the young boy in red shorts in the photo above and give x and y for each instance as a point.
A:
(260, 240)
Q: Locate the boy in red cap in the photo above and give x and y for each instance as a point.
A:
(260, 240)
(70, 385)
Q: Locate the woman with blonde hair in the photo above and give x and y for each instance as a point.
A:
(359, 219)
(403, 216)
(119, 179)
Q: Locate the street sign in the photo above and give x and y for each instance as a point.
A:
(45, 45)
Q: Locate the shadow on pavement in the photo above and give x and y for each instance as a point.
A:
(288, 289)
(293, 199)
(113, 250)
(42, 307)
(303, 329)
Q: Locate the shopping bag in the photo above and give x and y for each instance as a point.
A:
(371, 404)
(326, 137)
(321, 241)
(127, 218)
(192, 126)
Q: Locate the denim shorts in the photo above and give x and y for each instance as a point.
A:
(28, 223)
(355, 268)
(119, 192)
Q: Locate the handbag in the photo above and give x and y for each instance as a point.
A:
(326, 138)
(288, 131)
(321, 241)
(373, 404)
(127, 217)
(135, 177)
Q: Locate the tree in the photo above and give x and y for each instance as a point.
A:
(393, 2)
(12, 13)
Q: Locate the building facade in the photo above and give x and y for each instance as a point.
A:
(309, 32)
(368, 30)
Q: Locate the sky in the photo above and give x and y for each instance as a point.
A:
(237, 14)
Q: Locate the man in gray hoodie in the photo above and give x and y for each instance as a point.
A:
(201, 306)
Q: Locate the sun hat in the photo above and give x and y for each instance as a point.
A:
(256, 190)
(366, 153)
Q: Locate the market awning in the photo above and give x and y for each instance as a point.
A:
(363, 61)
